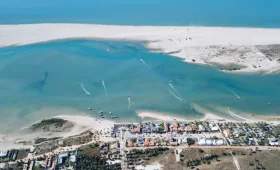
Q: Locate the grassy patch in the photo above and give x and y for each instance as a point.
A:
(46, 122)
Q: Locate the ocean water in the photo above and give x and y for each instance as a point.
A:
(38, 77)
(43, 80)
(249, 13)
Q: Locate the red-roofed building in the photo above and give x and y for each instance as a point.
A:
(129, 143)
(147, 141)
(227, 133)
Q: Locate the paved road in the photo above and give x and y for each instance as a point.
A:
(211, 147)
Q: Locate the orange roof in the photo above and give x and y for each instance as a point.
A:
(175, 124)
(130, 143)
(228, 133)
(136, 130)
(165, 126)
(147, 140)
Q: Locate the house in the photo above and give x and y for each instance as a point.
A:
(218, 142)
(188, 128)
(191, 128)
(154, 128)
(114, 145)
(185, 141)
(232, 142)
(227, 133)
(165, 126)
(210, 142)
(152, 143)
(140, 142)
(201, 128)
(163, 143)
(213, 127)
(129, 143)
(104, 150)
(147, 141)
(147, 129)
(181, 129)
(174, 126)
(135, 130)
(173, 143)
(174, 129)
(3, 154)
(273, 141)
(235, 133)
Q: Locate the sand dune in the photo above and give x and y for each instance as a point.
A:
(228, 48)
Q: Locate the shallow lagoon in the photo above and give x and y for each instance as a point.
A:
(43, 80)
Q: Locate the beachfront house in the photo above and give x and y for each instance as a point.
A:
(213, 127)
(166, 129)
(136, 130)
(154, 128)
(174, 126)
(201, 128)
(146, 129)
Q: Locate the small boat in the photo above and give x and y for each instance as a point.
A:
(89, 108)
(110, 113)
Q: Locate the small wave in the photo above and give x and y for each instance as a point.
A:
(129, 102)
(84, 89)
(174, 95)
(145, 63)
(174, 89)
(234, 93)
(103, 84)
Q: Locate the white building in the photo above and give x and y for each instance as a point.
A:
(273, 141)
(213, 127)
(3, 153)
(210, 142)
(201, 128)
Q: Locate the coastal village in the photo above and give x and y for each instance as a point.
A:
(147, 139)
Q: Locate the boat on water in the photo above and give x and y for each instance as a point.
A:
(89, 108)
(114, 117)
(110, 113)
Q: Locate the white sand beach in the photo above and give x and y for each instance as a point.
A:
(166, 117)
(225, 47)
(81, 124)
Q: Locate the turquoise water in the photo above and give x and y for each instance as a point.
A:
(49, 75)
(249, 13)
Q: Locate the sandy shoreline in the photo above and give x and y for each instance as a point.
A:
(81, 124)
(227, 48)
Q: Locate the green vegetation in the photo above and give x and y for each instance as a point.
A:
(89, 150)
(46, 122)
(190, 141)
(40, 140)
